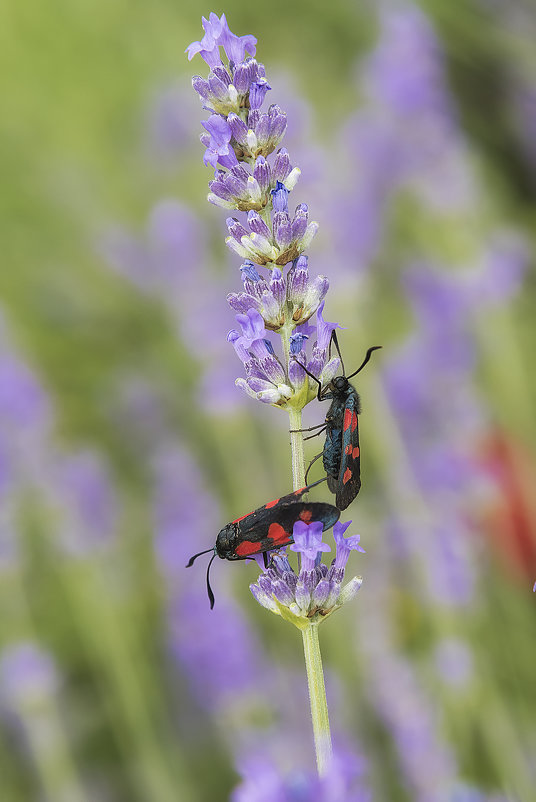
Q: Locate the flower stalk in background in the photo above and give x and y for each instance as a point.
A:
(250, 178)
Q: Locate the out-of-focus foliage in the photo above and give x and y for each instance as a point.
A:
(125, 446)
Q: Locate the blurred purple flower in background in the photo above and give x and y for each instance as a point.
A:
(220, 654)
(76, 486)
(263, 781)
(28, 677)
(88, 507)
(168, 124)
(173, 264)
(455, 662)
(400, 699)
(29, 693)
(431, 389)
(404, 136)
(25, 418)
(118, 638)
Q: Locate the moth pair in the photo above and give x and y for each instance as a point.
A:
(270, 527)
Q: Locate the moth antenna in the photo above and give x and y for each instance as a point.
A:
(335, 340)
(366, 359)
(209, 589)
(317, 380)
(199, 553)
(318, 482)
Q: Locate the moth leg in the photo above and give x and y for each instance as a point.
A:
(311, 465)
(323, 429)
(310, 429)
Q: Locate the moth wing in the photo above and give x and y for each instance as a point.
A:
(348, 483)
(264, 514)
(333, 483)
(273, 529)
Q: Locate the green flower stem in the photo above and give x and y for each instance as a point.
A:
(296, 447)
(317, 698)
(265, 214)
(309, 630)
(311, 645)
(295, 423)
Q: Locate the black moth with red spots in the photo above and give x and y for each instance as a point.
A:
(341, 455)
(267, 528)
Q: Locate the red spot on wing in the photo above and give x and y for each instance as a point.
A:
(300, 491)
(306, 515)
(278, 534)
(355, 452)
(347, 419)
(354, 421)
(347, 476)
(246, 548)
(348, 449)
(271, 503)
(236, 520)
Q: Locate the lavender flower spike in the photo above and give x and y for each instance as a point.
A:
(317, 591)
(240, 141)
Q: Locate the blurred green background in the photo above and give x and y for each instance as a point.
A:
(113, 715)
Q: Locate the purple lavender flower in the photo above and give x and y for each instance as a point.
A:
(217, 143)
(317, 590)
(263, 782)
(308, 543)
(292, 301)
(263, 132)
(319, 364)
(289, 236)
(344, 546)
(217, 34)
(235, 92)
(305, 297)
(267, 379)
